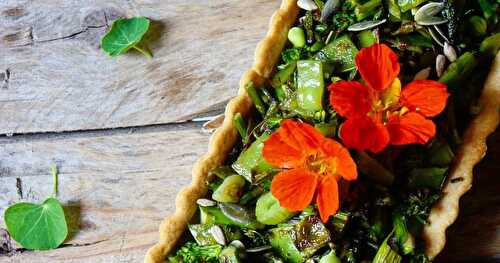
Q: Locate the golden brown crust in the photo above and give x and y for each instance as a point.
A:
(266, 56)
(473, 149)
(222, 141)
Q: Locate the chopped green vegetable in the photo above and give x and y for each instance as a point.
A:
(385, 254)
(241, 126)
(251, 163)
(282, 240)
(232, 215)
(256, 99)
(459, 70)
(366, 38)
(490, 46)
(406, 5)
(126, 33)
(310, 85)
(291, 55)
(38, 227)
(202, 235)
(269, 212)
(282, 76)
(230, 190)
(230, 254)
(194, 253)
(478, 25)
(427, 177)
(367, 9)
(341, 52)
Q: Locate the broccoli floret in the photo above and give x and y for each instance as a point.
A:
(370, 8)
(194, 253)
(342, 21)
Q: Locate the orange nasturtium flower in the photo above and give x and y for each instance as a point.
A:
(312, 166)
(380, 112)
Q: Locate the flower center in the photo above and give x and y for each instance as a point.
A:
(321, 165)
(386, 103)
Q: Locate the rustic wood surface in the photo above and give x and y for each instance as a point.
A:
(61, 98)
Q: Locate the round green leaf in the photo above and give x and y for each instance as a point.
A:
(37, 227)
(125, 33)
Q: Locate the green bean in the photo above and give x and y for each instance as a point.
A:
(251, 161)
(297, 37)
(269, 211)
(240, 125)
(282, 76)
(477, 25)
(459, 70)
(256, 99)
(490, 45)
(330, 258)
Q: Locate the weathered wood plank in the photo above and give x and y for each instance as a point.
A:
(475, 236)
(54, 77)
(122, 185)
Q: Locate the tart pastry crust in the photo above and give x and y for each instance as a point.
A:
(266, 56)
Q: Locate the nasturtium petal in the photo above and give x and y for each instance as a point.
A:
(125, 34)
(37, 227)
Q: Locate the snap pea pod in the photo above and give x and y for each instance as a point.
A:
(230, 254)
(251, 161)
(459, 70)
(214, 215)
(341, 52)
(241, 126)
(310, 85)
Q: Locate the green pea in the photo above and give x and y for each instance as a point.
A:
(268, 210)
(330, 258)
(297, 37)
(366, 38)
(230, 190)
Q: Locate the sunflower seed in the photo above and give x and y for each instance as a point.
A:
(308, 5)
(212, 124)
(426, 14)
(205, 202)
(218, 235)
(440, 64)
(328, 9)
(258, 249)
(449, 52)
(366, 25)
(423, 74)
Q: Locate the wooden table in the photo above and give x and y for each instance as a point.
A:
(121, 129)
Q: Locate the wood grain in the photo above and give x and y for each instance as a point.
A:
(54, 77)
(117, 187)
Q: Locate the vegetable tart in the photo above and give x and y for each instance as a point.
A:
(352, 138)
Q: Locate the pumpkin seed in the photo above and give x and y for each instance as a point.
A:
(423, 74)
(441, 33)
(426, 14)
(328, 9)
(258, 249)
(308, 5)
(366, 25)
(449, 52)
(205, 202)
(440, 64)
(218, 235)
(435, 37)
(238, 244)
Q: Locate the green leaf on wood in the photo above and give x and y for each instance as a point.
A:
(37, 227)
(126, 33)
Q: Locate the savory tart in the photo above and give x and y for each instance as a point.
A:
(352, 139)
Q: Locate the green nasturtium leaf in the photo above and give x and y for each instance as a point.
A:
(37, 227)
(126, 33)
